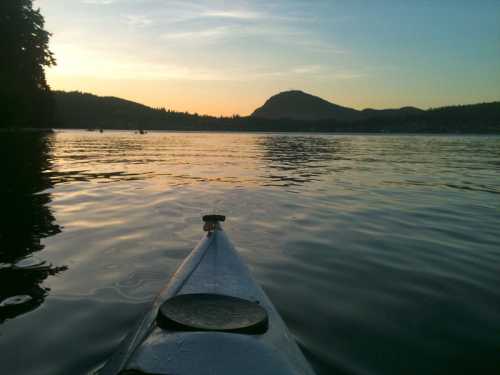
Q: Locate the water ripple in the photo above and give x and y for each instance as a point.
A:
(381, 252)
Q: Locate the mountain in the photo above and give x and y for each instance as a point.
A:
(84, 111)
(299, 105)
(92, 109)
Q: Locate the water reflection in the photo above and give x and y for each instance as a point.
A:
(185, 159)
(25, 219)
(294, 160)
(365, 229)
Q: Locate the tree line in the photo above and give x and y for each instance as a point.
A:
(82, 110)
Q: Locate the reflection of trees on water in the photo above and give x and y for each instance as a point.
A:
(297, 160)
(25, 219)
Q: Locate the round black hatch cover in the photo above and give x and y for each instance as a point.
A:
(212, 312)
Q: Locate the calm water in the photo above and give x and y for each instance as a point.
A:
(382, 253)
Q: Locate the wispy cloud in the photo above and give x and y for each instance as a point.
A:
(306, 69)
(138, 20)
(109, 65)
(310, 42)
(99, 2)
(347, 75)
(314, 71)
(179, 12)
(213, 33)
(100, 63)
(262, 33)
(255, 43)
(234, 14)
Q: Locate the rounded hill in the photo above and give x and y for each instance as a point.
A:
(298, 105)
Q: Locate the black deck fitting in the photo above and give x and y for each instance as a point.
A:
(212, 312)
(213, 218)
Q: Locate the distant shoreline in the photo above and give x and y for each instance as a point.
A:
(378, 133)
(271, 132)
(88, 111)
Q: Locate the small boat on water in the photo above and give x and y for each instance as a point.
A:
(210, 319)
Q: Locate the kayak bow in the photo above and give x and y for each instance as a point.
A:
(210, 319)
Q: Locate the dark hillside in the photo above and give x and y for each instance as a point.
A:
(79, 110)
(298, 105)
(82, 110)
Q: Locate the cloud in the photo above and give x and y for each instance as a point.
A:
(315, 71)
(347, 75)
(234, 14)
(199, 34)
(179, 12)
(220, 33)
(101, 63)
(99, 2)
(138, 20)
(309, 42)
(76, 61)
(306, 69)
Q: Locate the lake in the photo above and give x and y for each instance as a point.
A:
(381, 252)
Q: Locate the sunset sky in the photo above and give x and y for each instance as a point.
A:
(227, 57)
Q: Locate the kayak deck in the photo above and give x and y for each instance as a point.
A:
(213, 267)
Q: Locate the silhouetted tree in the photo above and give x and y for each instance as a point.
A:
(24, 93)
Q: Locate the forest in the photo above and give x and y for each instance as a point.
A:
(86, 111)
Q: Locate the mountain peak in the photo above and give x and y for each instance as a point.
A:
(299, 105)
(292, 92)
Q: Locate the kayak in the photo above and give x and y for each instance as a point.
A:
(210, 319)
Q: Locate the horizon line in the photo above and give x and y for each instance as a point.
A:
(265, 100)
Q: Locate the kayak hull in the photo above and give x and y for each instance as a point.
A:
(215, 267)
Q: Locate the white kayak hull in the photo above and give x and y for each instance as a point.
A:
(215, 267)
